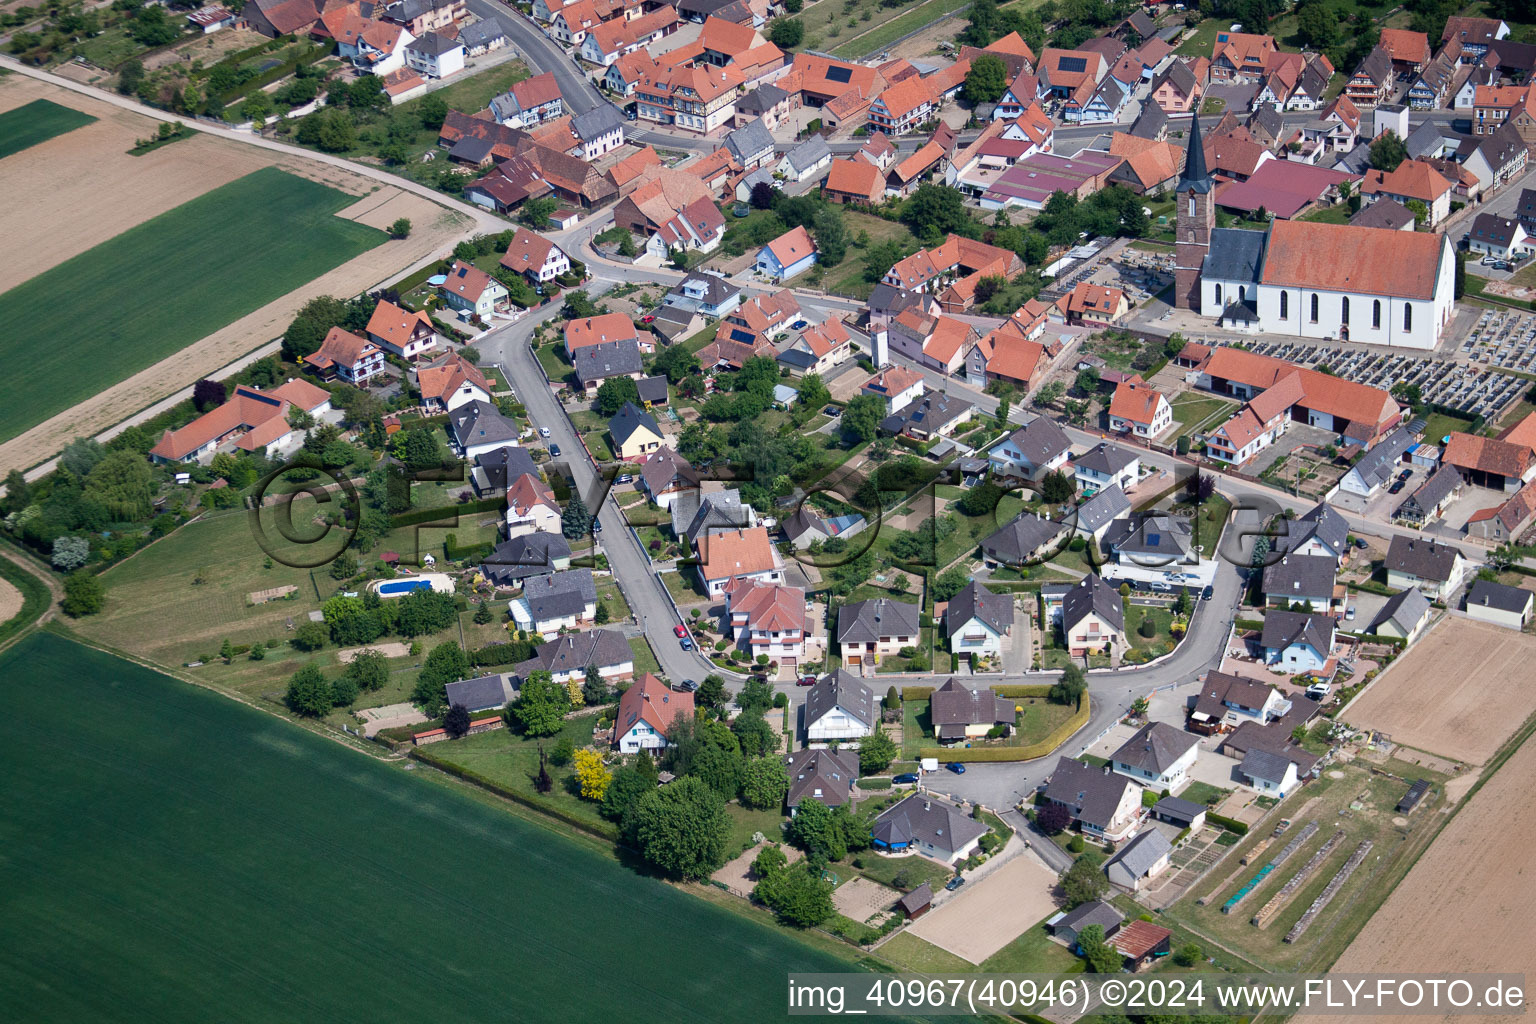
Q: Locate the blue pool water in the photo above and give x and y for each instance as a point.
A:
(403, 586)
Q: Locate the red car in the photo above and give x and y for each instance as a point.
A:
(679, 632)
(806, 681)
(648, 318)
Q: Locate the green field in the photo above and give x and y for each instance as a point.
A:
(35, 122)
(92, 321)
(174, 856)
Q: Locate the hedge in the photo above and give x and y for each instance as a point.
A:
(425, 754)
(1029, 753)
(35, 598)
(1375, 638)
(1011, 690)
(271, 75)
(1230, 824)
(1370, 587)
(432, 515)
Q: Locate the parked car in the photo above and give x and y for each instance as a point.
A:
(955, 883)
(806, 681)
(1349, 613)
(956, 767)
(679, 631)
(904, 779)
(554, 451)
(690, 685)
(624, 478)
(543, 431)
(1360, 543)
(597, 525)
(1396, 488)
(1207, 593)
(649, 318)
(686, 644)
(1405, 474)
(1161, 588)
(1319, 691)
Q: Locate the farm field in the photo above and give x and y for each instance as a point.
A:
(228, 852)
(24, 127)
(162, 285)
(1463, 906)
(1436, 697)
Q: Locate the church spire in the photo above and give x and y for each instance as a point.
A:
(1195, 178)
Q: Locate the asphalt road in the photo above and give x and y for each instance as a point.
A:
(542, 54)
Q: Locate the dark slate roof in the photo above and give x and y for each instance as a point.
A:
(826, 776)
(597, 122)
(1091, 794)
(1041, 440)
(841, 689)
(433, 44)
(766, 96)
(664, 468)
(1320, 522)
(1141, 854)
(1105, 458)
(921, 818)
(477, 423)
(1154, 748)
(976, 601)
(629, 419)
(652, 389)
(1377, 466)
(722, 510)
(607, 359)
(1235, 254)
(1177, 807)
(1157, 536)
(749, 140)
(915, 900)
(1092, 594)
(716, 288)
(532, 554)
(1020, 538)
(1403, 610)
(1152, 122)
(809, 153)
(481, 693)
(1491, 229)
(1300, 576)
(575, 652)
(1436, 489)
(1383, 213)
(1283, 628)
(887, 298)
(1488, 594)
(955, 705)
(481, 33)
(1422, 558)
(1221, 689)
(1268, 120)
(1510, 55)
(502, 464)
(1265, 765)
(560, 594)
(868, 621)
(1179, 76)
(932, 413)
(1093, 912)
(1195, 177)
(1108, 504)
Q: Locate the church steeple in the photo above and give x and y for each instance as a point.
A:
(1195, 177)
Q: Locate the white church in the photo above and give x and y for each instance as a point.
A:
(1309, 280)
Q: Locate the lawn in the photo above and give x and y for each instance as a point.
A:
(164, 284)
(1201, 42)
(645, 658)
(1038, 720)
(228, 852)
(911, 953)
(1160, 642)
(1032, 953)
(1327, 215)
(556, 366)
(887, 31)
(847, 277)
(1438, 424)
(38, 121)
(1195, 412)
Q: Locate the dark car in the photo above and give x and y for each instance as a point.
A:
(624, 478)
(904, 779)
(1405, 474)
(597, 526)
(554, 451)
(686, 644)
(1207, 593)
(955, 883)
(806, 681)
(1397, 486)
(956, 767)
(688, 684)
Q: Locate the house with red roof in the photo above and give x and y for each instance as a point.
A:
(900, 108)
(854, 181)
(251, 420)
(897, 386)
(744, 555)
(407, 334)
(1413, 180)
(766, 618)
(537, 258)
(606, 327)
(788, 256)
(646, 713)
(472, 290)
(450, 382)
(1094, 305)
(1139, 408)
(531, 507)
(345, 356)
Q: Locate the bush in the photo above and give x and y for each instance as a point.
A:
(1076, 845)
(1230, 824)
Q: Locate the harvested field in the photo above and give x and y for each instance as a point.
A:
(10, 601)
(24, 127)
(1437, 696)
(1473, 883)
(989, 914)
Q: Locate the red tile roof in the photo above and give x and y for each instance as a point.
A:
(1339, 257)
(1135, 400)
(341, 348)
(652, 702)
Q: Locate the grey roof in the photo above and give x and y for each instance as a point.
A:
(1221, 690)
(1106, 459)
(1267, 118)
(652, 389)
(1320, 523)
(575, 652)
(597, 122)
(716, 288)
(1428, 139)
(532, 554)
(931, 414)
(868, 621)
(1092, 594)
(1178, 807)
(481, 693)
(630, 419)
(1142, 24)
(1376, 466)
(840, 689)
(809, 153)
(478, 423)
(1091, 794)
(1356, 161)
(887, 298)
(1021, 538)
(826, 776)
(1157, 535)
(1383, 213)
(664, 468)
(1440, 485)
(1377, 66)
(1283, 628)
(976, 601)
(559, 594)
(1503, 147)
(915, 900)
(1154, 748)
(434, 44)
(1510, 55)
(1139, 856)
(1041, 440)
(1152, 122)
(1235, 254)
(1093, 912)
(481, 33)
(921, 818)
(607, 359)
(1491, 229)
(1404, 610)
(502, 464)
(1265, 765)
(1525, 206)
(1195, 177)
(1179, 75)
(1488, 594)
(764, 97)
(1106, 505)
(1422, 558)
(722, 510)
(749, 140)
(1314, 81)
(1300, 576)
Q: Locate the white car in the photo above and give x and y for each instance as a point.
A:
(543, 431)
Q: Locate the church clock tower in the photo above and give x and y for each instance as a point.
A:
(1195, 217)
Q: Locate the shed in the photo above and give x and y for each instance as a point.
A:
(1411, 798)
(1180, 812)
(917, 902)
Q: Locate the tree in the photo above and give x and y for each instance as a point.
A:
(763, 196)
(876, 752)
(755, 696)
(151, 26)
(614, 393)
(208, 394)
(934, 211)
(986, 81)
(753, 733)
(592, 775)
(433, 111)
(676, 362)
(1188, 955)
(483, 614)
(825, 832)
(1318, 25)
(862, 416)
(308, 693)
(1049, 392)
(1460, 288)
(309, 636)
(629, 784)
(70, 553)
(769, 859)
(400, 227)
(764, 783)
(337, 133)
(711, 693)
(1200, 487)
(445, 664)
(1069, 689)
(1088, 380)
(540, 706)
(682, 828)
(813, 392)
(797, 896)
(1053, 818)
(1101, 956)
(536, 212)
(1387, 152)
(786, 33)
(368, 670)
(951, 581)
(579, 306)
(1420, 212)
(129, 76)
(81, 455)
(720, 766)
(576, 521)
(456, 721)
(1083, 881)
(1057, 487)
(83, 594)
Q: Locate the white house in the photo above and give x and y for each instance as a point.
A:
(531, 507)
(1139, 408)
(838, 709)
(1139, 861)
(1158, 756)
(806, 160)
(567, 658)
(788, 256)
(1034, 450)
(1298, 641)
(767, 618)
(978, 621)
(931, 827)
(471, 289)
(1104, 804)
(898, 386)
(1107, 465)
(1436, 569)
(556, 601)
(727, 556)
(1503, 237)
(646, 712)
(600, 130)
(537, 258)
(405, 334)
(1269, 773)
(434, 56)
(1499, 604)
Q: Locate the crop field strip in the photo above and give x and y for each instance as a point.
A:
(166, 283)
(25, 126)
(173, 848)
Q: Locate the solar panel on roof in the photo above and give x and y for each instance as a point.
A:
(839, 74)
(742, 336)
(1073, 64)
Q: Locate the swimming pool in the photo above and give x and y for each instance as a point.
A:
(437, 581)
(394, 588)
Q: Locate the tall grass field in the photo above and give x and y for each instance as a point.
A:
(96, 319)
